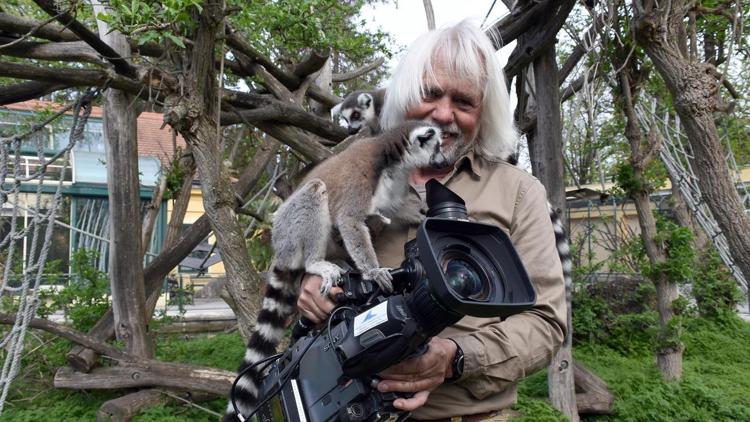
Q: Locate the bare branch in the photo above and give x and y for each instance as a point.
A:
(430, 14)
(306, 144)
(18, 25)
(292, 82)
(70, 51)
(121, 65)
(71, 77)
(510, 27)
(582, 47)
(28, 91)
(545, 30)
(72, 335)
(311, 64)
(343, 77)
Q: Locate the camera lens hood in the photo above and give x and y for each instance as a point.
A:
(486, 255)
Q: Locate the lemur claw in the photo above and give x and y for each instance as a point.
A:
(329, 272)
(381, 276)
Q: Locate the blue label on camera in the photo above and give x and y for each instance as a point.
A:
(371, 318)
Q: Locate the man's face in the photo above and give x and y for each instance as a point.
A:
(455, 106)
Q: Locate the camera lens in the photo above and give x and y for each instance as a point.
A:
(465, 277)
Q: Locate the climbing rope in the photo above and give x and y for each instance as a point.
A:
(24, 287)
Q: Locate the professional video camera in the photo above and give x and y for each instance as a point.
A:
(453, 268)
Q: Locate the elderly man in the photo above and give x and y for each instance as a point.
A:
(451, 77)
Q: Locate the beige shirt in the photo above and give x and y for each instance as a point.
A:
(497, 353)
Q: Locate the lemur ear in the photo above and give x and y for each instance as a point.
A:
(364, 100)
(336, 110)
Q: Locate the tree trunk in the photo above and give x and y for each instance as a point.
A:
(195, 116)
(148, 373)
(149, 220)
(549, 158)
(123, 409)
(693, 86)
(180, 204)
(595, 397)
(669, 357)
(125, 249)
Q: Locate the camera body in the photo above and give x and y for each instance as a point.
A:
(453, 268)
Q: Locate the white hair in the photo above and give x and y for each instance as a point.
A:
(469, 55)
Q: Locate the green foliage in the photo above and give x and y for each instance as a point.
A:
(535, 410)
(86, 297)
(148, 21)
(677, 242)
(279, 29)
(616, 313)
(715, 385)
(627, 181)
(714, 289)
(175, 175)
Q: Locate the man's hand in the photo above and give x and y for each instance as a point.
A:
(421, 374)
(311, 303)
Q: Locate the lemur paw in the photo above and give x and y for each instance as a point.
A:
(382, 276)
(328, 271)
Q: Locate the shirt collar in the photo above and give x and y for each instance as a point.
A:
(470, 161)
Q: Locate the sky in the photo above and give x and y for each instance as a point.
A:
(405, 20)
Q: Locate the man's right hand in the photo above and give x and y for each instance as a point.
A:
(311, 304)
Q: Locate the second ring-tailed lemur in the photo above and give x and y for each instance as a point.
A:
(361, 109)
(340, 193)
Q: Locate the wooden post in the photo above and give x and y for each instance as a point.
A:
(125, 249)
(549, 169)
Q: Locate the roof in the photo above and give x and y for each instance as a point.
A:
(154, 140)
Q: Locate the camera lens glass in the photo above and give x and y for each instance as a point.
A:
(465, 277)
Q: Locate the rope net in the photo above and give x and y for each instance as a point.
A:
(678, 160)
(25, 246)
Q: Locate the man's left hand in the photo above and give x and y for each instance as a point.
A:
(420, 375)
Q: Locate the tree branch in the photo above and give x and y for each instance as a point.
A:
(292, 82)
(346, 76)
(28, 91)
(510, 27)
(278, 111)
(68, 76)
(582, 47)
(311, 64)
(542, 34)
(18, 25)
(69, 51)
(72, 335)
(108, 53)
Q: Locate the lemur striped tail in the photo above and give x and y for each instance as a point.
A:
(279, 303)
(563, 250)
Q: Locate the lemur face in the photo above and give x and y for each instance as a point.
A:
(425, 148)
(359, 113)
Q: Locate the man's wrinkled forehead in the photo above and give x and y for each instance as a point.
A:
(446, 69)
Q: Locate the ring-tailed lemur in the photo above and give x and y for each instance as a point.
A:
(340, 193)
(361, 109)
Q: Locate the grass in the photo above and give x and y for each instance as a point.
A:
(715, 385)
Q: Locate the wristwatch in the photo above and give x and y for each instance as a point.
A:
(458, 364)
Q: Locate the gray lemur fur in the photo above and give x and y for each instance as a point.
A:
(361, 110)
(339, 194)
(368, 178)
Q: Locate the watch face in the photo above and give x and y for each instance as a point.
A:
(458, 364)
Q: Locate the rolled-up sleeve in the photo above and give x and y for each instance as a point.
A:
(501, 353)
